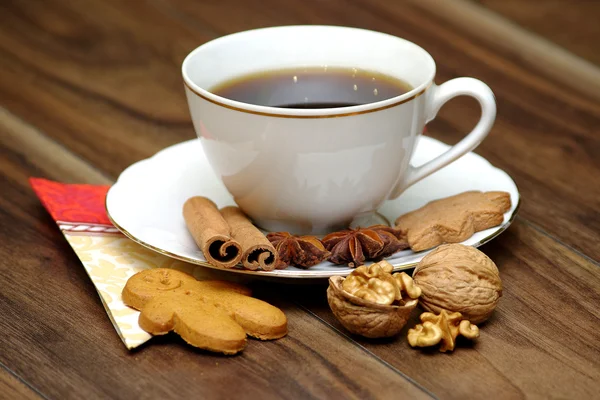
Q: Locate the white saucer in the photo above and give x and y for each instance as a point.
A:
(146, 202)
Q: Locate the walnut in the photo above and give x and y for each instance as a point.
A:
(459, 278)
(442, 328)
(371, 301)
(377, 284)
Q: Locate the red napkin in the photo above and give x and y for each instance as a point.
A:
(75, 208)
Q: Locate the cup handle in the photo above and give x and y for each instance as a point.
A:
(437, 98)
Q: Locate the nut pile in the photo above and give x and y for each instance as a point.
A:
(457, 285)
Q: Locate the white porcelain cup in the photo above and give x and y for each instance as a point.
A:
(315, 170)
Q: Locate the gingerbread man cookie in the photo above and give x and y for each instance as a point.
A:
(212, 315)
(453, 219)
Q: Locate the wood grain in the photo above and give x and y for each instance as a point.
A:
(542, 341)
(85, 73)
(13, 388)
(555, 20)
(542, 54)
(90, 87)
(124, 101)
(42, 152)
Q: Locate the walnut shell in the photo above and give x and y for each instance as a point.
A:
(364, 317)
(459, 278)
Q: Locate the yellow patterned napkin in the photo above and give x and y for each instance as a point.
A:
(108, 256)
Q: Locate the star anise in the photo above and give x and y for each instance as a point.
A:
(354, 246)
(394, 240)
(301, 251)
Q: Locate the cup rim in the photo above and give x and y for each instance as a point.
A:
(309, 112)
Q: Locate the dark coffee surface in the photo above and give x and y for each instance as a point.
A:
(313, 87)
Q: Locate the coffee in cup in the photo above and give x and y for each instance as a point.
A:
(312, 87)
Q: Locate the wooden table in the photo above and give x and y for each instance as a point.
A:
(89, 87)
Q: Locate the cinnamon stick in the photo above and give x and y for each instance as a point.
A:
(257, 251)
(211, 232)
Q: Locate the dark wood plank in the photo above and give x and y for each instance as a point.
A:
(13, 388)
(57, 336)
(554, 20)
(542, 341)
(544, 56)
(123, 101)
(103, 78)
